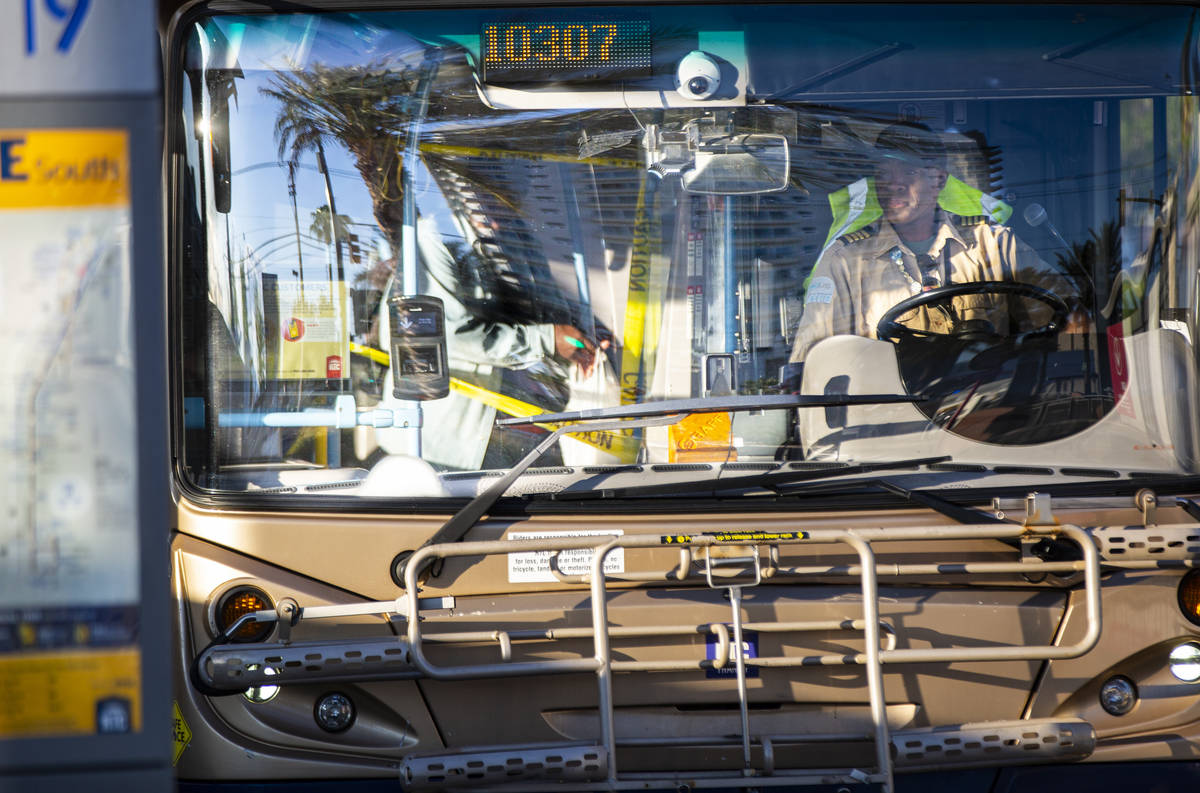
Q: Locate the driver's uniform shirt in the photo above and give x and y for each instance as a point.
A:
(863, 274)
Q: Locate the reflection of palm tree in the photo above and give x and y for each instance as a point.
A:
(1093, 265)
(320, 226)
(365, 109)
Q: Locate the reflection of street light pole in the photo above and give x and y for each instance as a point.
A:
(337, 247)
(336, 296)
(418, 107)
(296, 219)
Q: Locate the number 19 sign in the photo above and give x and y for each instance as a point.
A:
(51, 48)
(67, 17)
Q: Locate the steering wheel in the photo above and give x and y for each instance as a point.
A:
(888, 329)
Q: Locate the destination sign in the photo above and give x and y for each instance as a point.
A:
(539, 51)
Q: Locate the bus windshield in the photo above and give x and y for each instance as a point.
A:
(401, 230)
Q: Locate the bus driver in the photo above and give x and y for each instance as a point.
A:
(917, 245)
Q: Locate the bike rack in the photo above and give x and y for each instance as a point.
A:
(1073, 738)
(574, 765)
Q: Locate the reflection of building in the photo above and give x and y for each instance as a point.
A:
(509, 262)
(526, 221)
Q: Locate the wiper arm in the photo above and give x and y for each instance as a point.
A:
(772, 480)
(1063, 56)
(619, 417)
(463, 520)
(964, 515)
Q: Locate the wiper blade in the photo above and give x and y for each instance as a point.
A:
(771, 480)
(727, 404)
(964, 515)
(619, 417)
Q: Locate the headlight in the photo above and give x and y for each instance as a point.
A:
(334, 712)
(1185, 662)
(260, 694)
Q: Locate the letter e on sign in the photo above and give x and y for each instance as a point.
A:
(10, 160)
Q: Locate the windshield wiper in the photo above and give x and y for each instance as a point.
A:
(621, 417)
(771, 480)
(1063, 56)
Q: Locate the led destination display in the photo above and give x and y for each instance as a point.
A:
(565, 51)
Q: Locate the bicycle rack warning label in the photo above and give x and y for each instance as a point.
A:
(534, 566)
(737, 537)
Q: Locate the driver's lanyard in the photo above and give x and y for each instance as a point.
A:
(932, 275)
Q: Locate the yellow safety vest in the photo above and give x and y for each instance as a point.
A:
(856, 206)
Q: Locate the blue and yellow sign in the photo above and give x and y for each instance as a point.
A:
(63, 168)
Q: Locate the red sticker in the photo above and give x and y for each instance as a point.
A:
(1119, 369)
(293, 330)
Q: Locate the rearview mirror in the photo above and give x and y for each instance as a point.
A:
(740, 165)
(711, 159)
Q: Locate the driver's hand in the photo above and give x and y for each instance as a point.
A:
(574, 345)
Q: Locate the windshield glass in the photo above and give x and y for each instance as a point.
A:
(398, 228)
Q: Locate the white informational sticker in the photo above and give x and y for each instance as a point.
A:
(534, 566)
(312, 318)
(820, 290)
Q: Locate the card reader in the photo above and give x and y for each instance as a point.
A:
(418, 330)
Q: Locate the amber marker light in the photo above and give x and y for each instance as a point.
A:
(1189, 596)
(236, 603)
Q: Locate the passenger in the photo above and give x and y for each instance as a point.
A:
(916, 245)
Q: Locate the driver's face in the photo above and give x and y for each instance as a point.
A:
(908, 193)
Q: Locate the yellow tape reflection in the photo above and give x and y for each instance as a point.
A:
(532, 156)
(615, 443)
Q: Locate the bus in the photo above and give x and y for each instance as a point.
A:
(683, 395)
